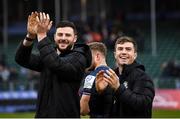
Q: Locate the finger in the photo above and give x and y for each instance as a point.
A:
(99, 74)
(36, 13)
(33, 14)
(37, 19)
(47, 16)
(109, 73)
(29, 18)
(44, 16)
(50, 25)
(112, 74)
(41, 16)
(108, 79)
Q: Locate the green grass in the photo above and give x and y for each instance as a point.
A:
(156, 114)
(166, 113)
(17, 115)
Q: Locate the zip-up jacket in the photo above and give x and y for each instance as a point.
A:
(60, 77)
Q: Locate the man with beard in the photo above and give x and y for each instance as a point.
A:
(133, 88)
(61, 68)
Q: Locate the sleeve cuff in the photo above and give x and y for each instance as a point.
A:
(26, 47)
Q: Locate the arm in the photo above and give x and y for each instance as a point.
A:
(23, 55)
(24, 58)
(84, 101)
(84, 105)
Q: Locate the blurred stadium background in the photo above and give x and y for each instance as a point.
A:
(153, 23)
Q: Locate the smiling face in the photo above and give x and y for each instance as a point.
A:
(125, 53)
(65, 38)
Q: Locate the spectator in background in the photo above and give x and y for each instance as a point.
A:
(33, 75)
(170, 69)
(4, 73)
(3, 59)
(135, 32)
(91, 36)
(4, 77)
(13, 74)
(33, 78)
(170, 73)
(114, 33)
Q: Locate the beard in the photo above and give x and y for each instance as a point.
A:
(68, 48)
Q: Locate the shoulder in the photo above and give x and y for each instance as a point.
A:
(99, 68)
(81, 48)
(85, 51)
(137, 72)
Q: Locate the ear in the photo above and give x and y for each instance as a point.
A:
(135, 55)
(115, 54)
(75, 38)
(97, 56)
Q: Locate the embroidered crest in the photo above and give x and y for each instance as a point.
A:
(125, 84)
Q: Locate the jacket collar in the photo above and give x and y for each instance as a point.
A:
(128, 68)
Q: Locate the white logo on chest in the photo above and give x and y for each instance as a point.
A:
(125, 84)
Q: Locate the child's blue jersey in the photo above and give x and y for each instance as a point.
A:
(89, 80)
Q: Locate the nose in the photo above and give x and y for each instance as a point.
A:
(124, 51)
(63, 36)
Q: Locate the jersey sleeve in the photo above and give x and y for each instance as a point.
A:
(88, 83)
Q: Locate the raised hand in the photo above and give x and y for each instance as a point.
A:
(32, 25)
(44, 24)
(100, 83)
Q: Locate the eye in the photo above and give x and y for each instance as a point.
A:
(120, 48)
(128, 48)
(60, 34)
(68, 35)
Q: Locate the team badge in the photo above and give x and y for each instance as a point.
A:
(125, 84)
(89, 80)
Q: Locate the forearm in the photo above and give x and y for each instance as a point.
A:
(84, 105)
(23, 52)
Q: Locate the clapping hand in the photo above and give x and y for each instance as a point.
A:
(100, 83)
(32, 25)
(112, 79)
(44, 25)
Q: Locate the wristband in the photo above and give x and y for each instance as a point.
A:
(29, 39)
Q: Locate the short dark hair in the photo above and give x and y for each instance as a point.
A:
(124, 39)
(67, 24)
(98, 46)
